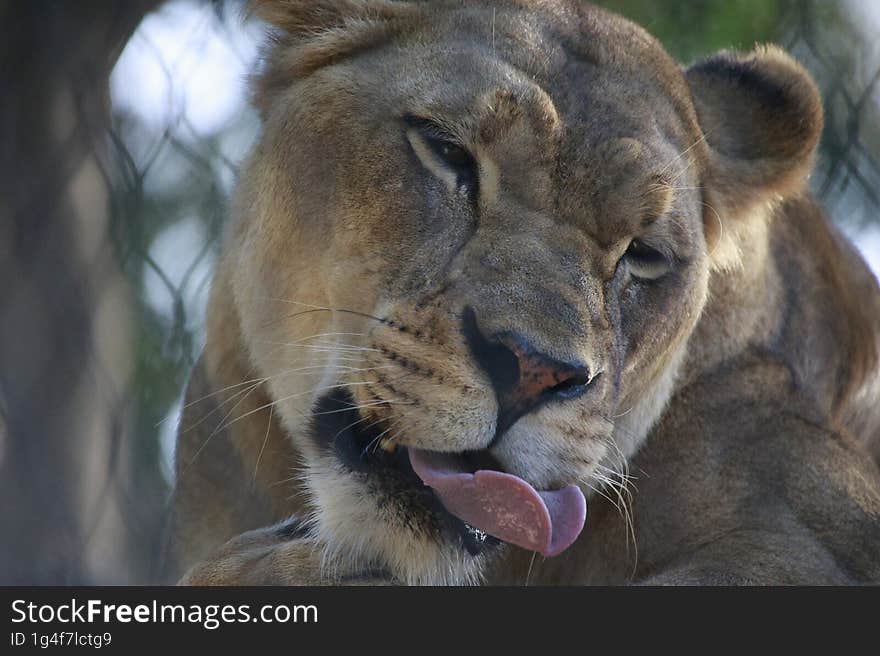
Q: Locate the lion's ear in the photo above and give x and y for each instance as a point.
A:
(307, 18)
(761, 115)
(311, 34)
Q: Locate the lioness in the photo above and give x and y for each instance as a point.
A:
(494, 262)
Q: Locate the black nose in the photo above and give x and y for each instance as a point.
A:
(522, 377)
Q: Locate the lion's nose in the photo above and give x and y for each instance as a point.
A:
(522, 377)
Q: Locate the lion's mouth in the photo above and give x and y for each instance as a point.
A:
(470, 490)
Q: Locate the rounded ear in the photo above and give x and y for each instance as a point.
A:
(305, 18)
(761, 115)
(311, 34)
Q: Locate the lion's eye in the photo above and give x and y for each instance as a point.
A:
(441, 155)
(645, 262)
(452, 154)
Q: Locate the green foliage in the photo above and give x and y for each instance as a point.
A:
(693, 29)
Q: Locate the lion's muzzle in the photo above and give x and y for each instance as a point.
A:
(523, 378)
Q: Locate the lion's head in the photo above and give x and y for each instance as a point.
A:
(477, 236)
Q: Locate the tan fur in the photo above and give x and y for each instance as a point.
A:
(729, 433)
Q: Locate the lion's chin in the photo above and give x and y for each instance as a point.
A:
(467, 495)
(355, 443)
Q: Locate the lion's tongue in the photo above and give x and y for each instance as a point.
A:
(504, 505)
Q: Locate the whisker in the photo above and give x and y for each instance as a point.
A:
(617, 427)
(318, 347)
(621, 505)
(265, 441)
(331, 334)
(625, 477)
(375, 441)
(351, 425)
(216, 430)
(219, 407)
(319, 308)
(683, 153)
(285, 372)
(529, 572)
(619, 482)
(364, 406)
(599, 492)
(297, 395)
(220, 391)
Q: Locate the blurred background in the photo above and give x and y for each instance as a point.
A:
(121, 129)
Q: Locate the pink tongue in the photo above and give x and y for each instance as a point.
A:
(504, 505)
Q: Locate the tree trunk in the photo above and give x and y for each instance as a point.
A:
(63, 323)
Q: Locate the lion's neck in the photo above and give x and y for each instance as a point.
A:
(743, 306)
(758, 304)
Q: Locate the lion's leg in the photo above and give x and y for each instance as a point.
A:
(283, 554)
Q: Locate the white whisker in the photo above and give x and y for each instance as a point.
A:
(265, 441)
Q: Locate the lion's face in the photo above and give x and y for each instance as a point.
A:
(481, 235)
